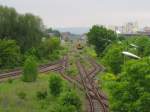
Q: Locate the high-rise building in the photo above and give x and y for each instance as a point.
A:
(131, 27)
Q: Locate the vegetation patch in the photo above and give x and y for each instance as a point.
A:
(36, 96)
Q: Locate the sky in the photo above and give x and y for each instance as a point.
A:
(84, 13)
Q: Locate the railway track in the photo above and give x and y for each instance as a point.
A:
(42, 69)
(97, 100)
(95, 97)
(66, 77)
(82, 75)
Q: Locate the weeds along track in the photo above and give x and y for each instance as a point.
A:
(89, 97)
(95, 97)
(98, 101)
(66, 77)
(42, 69)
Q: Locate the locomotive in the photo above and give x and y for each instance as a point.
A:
(79, 45)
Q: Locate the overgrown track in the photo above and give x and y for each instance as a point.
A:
(94, 95)
(62, 72)
(82, 75)
(96, 98)
(42, 69)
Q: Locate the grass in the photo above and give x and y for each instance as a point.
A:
(75, 54)
(19, 96)
(10, 100)
(86, 64)
(72, 69)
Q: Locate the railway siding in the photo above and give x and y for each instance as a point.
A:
(97, 100)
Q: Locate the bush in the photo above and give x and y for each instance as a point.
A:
(130, 89)
(143, 44)
(30, 70)
(54, 56)
(113, 58)
(70, 98)
(55, 85)
(68, 108)
(22, 95)
(41, 94)
(9, 54)
(10, 81)
(72, 71)
(49, 48)
(62, 108)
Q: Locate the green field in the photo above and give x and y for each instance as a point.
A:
(18, 96)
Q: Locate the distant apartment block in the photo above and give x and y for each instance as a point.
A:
(130, 27)
(146, 29)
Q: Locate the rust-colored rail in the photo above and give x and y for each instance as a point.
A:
(82, 75)
(91, 87)
(42, 69)
(86, 83)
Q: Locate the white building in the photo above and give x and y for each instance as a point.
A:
(131, 27)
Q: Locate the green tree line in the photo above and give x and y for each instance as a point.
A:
(22, 35)
(126, 79)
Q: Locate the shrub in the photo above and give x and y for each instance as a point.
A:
(30, 70)
(55, 85)
(143, 44)
(54, 56)
(70, 71)
(10, 81)
(49, 47)
(70, 98)
(41, 94)
(62, 108)
(113, 58)
(22, 95)
(68, 108)
(130, 90)
(9, 54)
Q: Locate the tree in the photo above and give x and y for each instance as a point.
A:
(26, 29)
(130, 92)
(30, 31)
(100, 37)
(9, 54)
(55, 85)
(53, 32)
(143, 45)
(8, 23)
(113, 58)
(30, 70)
(49, 47)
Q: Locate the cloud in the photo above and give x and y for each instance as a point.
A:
(61, 13)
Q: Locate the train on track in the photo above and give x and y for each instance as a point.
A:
(79, 45)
